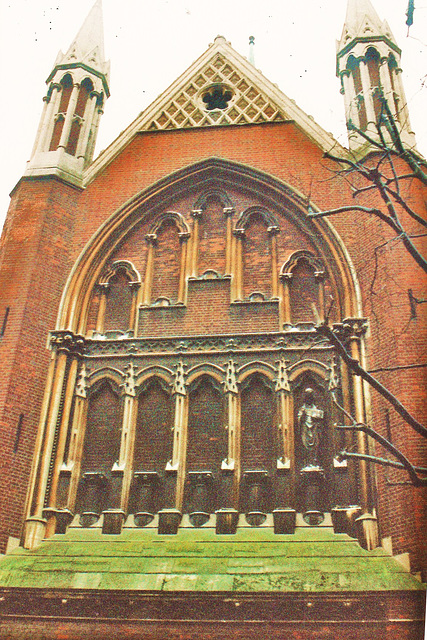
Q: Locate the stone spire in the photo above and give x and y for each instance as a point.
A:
(362, 21)
(88, 46)
(77, 88)
(368, 60)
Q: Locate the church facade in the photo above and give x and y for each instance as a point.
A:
(171, 462)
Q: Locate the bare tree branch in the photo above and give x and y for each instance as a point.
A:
(354, 366)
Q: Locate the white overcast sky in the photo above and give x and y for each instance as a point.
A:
(151, 42)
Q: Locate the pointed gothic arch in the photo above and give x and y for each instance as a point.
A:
(74, 304)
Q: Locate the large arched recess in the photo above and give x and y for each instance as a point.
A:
(195, 178)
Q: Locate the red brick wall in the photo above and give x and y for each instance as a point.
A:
(102, 437)
(118, 303)
(303, 293)
(207, 437)
(166, 264)
(257, 273)
(49, 224)
(153, 439)
(212, 228)
(258, 421)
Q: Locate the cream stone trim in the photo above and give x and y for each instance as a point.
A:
(62, 437)
(219, 64)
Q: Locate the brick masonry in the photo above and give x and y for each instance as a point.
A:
(49, 223)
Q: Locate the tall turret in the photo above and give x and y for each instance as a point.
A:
(77, 89)
(368, 64)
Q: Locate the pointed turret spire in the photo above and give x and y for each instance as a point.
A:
(78, 86)
(368, 64)
(363, 21)
(88, 45)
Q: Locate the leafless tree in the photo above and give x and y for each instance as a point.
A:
(379, 173)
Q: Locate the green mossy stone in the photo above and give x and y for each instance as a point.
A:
(314, 559)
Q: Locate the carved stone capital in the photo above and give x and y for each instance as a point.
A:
(285, 278)
(151, 238)
(239, 233)
(104, 287)
(319, 275)
(229, 211)
(273, 230)
(350, 328)
(184, 236)
(197, 213)
(68, 342)
(356, 327)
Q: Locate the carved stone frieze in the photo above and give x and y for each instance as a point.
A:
(179, 382)
(230, 384)
(303, 338)
(282, 381)
(129, 383)
(81, 383)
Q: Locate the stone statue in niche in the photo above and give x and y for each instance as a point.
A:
(310, 420)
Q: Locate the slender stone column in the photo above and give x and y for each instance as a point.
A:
(387, 86)
(92, 136)
(69, 117)
(62, 438)
(41, 432)
(42, 125)
(78, 430)
(355, 328)
(85, 130)
(283, 392)
(133, 320)
(367, 95)
(239, 235)
(196, 215)
(320, 279)
(130, 410)
(273, 231)
(183, 238)
(49, 119)
(350, 98)
(229, 212)
(179, 432)
(286, 316)
(151, 239)
(100, 319)
(66, 344)
(231, 465)
(403, 112)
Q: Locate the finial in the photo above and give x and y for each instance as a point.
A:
(252, 49)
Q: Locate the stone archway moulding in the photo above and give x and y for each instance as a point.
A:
(91, 262)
